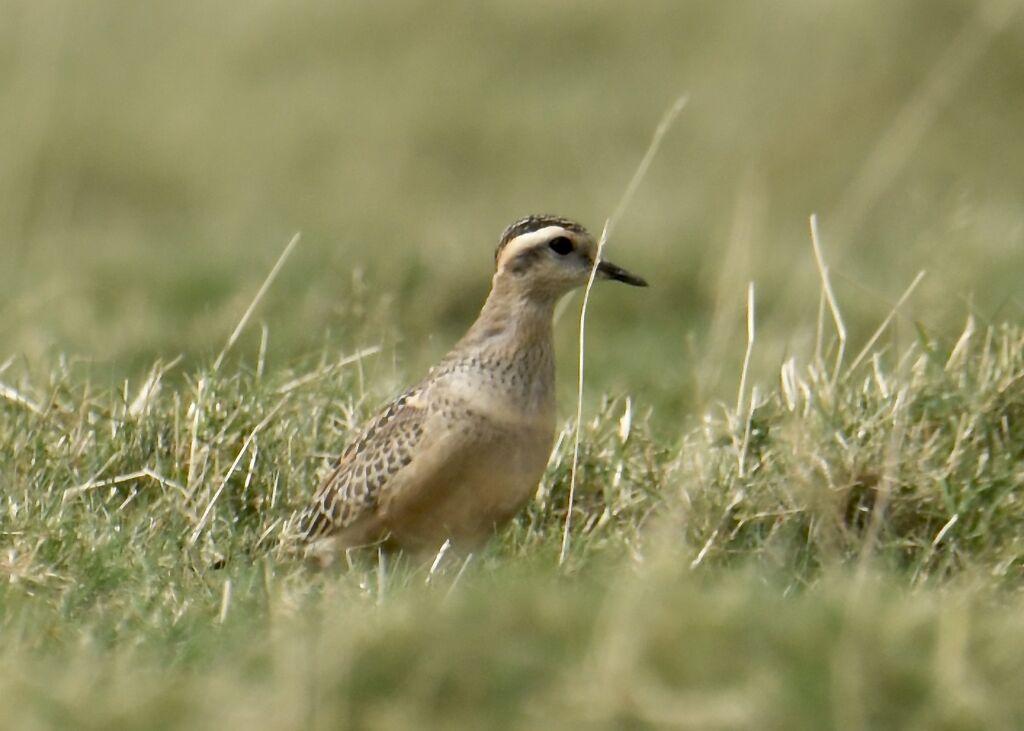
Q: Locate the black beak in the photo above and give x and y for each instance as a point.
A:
(613, 271)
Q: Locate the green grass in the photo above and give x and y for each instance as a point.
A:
(842, 549)
(847, 553)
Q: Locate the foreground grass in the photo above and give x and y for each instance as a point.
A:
(659, 649)
(844, 551)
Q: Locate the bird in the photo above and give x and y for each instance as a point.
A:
(456, 456)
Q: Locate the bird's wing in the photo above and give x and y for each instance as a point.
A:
(354, 487)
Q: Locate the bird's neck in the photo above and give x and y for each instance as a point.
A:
(512, 320)
(506, 362)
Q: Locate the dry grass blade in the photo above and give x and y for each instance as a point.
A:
(151, 387)
(16, 397)
(830, 297)
(121, 479)
(663, 126)
(256, 300)
(225, 602)
(957, 355)
(885, 323)
(751, 335)
(318, 375)
(438, 558)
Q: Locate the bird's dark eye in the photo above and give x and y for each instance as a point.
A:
(561, 245)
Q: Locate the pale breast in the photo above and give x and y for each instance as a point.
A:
(484, 473)
(486, 422)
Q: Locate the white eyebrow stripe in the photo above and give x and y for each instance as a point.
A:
(528, 240)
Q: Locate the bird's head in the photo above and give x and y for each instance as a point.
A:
(548, 256)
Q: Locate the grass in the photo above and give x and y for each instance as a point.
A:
(845, 553)
(792, 530)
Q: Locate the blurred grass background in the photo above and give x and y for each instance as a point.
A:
(156, 158)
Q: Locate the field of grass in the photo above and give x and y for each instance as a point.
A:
(829, 538)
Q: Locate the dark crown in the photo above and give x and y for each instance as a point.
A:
(534, 223)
